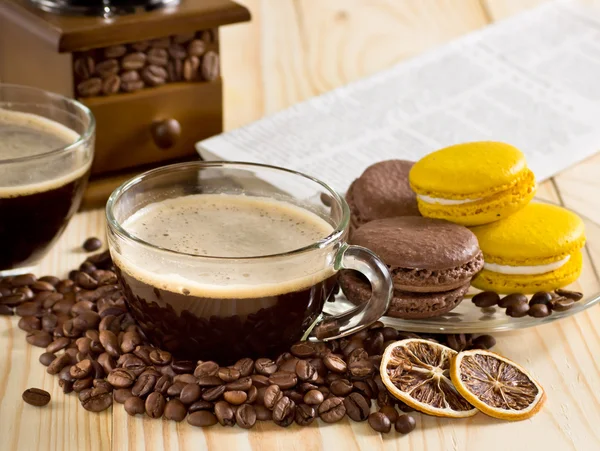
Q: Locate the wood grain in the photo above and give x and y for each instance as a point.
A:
(293, 50)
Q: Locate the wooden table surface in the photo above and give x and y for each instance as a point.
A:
(294, 49)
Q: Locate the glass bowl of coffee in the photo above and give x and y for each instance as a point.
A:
(46, 149)
(223, 260)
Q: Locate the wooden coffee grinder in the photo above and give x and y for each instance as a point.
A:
(148, 69)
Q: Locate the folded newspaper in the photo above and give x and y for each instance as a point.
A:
(532, 80)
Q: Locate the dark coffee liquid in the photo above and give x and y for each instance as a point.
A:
(170, 322)
(35, 206)
(200, 308)
(29, 224)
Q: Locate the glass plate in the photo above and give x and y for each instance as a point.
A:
(467, 318)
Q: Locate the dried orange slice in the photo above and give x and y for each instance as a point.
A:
(496, 386)
(417, 372)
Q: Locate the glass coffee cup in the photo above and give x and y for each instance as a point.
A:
(46, 149)
(223, 260)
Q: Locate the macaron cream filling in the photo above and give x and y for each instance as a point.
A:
(440, 201)
(526, 269)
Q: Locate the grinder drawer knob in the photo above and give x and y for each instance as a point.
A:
(166, 133)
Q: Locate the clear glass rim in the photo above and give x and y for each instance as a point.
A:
(83, 137)
(116, 227)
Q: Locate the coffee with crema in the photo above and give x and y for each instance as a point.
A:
(35, 205)
(208, 308)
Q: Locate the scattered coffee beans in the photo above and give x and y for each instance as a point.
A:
(94, 346)
(36, 397)
(486, 299)
(92, 244)
(405, 424)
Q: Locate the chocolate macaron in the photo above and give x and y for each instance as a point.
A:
(431, 262)
(382, 191)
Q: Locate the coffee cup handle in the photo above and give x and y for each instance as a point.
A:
(361, 316)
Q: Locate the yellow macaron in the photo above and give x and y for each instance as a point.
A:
(536, 249)
(472, 183)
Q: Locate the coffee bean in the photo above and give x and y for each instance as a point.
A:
(361, 369)
(121, 378)
(209, 67)
(258, 380)
(46, 358)
(29, 309)
(302, 350)
(539, 311)
(332, 410)
(284, 412)
(390, 412)
(114, 51)
(313, 397)
(132, 86)
(82, 307)
(38, 338)
(262, 413)
(41, 286)
(228, 374)
(111, 85)
(97, 400)
(122, 394)
(245, 416)
(380, 422)
(160, 43)
(305, 371)
(209, 381)
(185, 378)
(92, 243)
(175, 410)
(457, 342)
(235, 397)
(356, 407)
(29, 323)
(177, 51)
(200, 405)
(107, 362)
(6, 310)
(243, 383)
(84, 67)
(214, 393)
(67, 386)
(202, 419)
(23, 280)
(512, 300)
(484, 342)
(284, 379)
(135, 406)
(206, 369)
(190, 68)
(341, 387)
(81, 370)
(264, 366)
(101, 383)
(155, 405)
(486, 299)
(374, 343)
(82, 384)
(363, 388)
(405, 424)
(225, 413)
(190, 393)
(196, 47)
(86, 320)
(130, 341)
(154, 75)
(283, 357)
(12, 300)
(160, 357)
(175, 388)
(110, 343)
(144, 385)
(272, 394)
(36, 397)
(573, 295)
(562, 304)
(541, 297)
(244, 366)
(518, 310)
(335, 363)
(181, 366)
(157, 57)
(110, 323)
(107, 67)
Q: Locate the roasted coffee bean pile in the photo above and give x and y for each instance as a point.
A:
(134, 66)
(97, 350)
(540, 305)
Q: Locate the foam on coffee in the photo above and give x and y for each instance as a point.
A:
(233, 226)
(25, 135)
